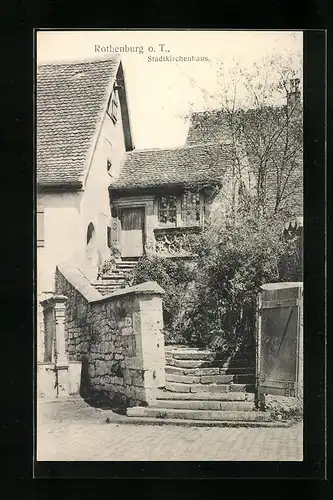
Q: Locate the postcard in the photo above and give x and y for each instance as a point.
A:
(169, 245)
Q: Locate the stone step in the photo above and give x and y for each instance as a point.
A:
(191, 354)
(224, 415)
(110, 280)
(210, 379)
(201, 363)
(184, 422)
(205, 405)
(214, 388)
(199, 372)
(115, 274)
(126, 265)
(105, 289)
(204, 396)
(176, 347)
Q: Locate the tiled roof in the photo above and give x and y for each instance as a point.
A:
(70, 100)
(214, 126)
(187, 165)
(209, 126)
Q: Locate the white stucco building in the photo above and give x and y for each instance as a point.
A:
(83, 132)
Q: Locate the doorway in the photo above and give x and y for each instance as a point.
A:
(132, 232)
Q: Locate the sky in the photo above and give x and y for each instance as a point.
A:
(162, 93)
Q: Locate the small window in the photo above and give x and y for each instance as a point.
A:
(108, 236)
(108, 166)
(90, 232)
(40, 227)
(113, 108)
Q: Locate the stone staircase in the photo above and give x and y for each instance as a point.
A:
(115, 279)
(202, 389)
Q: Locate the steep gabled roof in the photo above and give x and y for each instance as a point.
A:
(200, 164)
(71, 100)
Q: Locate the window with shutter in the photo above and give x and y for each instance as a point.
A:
(40, 227)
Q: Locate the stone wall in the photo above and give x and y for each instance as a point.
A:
(118, 338)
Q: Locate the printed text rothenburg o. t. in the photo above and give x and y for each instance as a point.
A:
(158, 53)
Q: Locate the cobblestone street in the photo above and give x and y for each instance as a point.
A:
(73, 431)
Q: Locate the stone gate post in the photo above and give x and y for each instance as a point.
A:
(57, 371)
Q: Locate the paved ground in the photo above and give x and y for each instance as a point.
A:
(73, 431)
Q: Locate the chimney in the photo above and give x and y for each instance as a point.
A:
(294, 95)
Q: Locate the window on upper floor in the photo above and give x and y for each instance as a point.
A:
(185, 210)
(113, 107)
(190, 208)
(40, 227)
(167, 210)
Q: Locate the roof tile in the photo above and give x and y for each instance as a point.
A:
(70, 100)
(186, 165)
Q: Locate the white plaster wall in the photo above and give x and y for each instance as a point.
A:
(61, 222)
(95, 203)
(67, 216)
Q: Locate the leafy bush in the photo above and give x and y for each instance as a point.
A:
(176, 278)
(233, 260)
(211, 301)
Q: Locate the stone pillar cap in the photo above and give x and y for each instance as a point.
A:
(283, 285)
(55, 299)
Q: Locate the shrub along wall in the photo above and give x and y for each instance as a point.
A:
(118, 338)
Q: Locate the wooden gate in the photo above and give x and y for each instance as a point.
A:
(279, 339)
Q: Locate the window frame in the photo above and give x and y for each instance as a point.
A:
(201, 208)
(168, 223)
(113, 108)
(179, 222)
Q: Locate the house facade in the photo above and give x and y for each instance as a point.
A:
(83, 132)
(98, 196)
(163, 195)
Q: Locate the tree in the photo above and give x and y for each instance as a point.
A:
(258, 112)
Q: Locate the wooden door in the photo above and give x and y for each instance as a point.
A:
(279, 339)
(132, 227)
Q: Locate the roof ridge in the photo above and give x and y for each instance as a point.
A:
(183, 146)
(74, 62)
